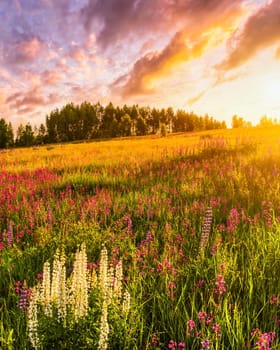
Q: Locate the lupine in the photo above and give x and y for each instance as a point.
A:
(104, 328)
(126, 302)
(45, 295)
(32, 314)
(10, 235)
(206, 228)
(23, 298)
(118, 280)
(79, 285)
(103, 273)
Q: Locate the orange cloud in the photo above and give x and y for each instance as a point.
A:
(186, 45)
(153, 65)
(2, 98)
(78, 55)
(196, 98)
(260, 31)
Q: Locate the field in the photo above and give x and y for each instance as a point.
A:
(142, 243)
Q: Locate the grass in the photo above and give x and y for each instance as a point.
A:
(145, 199)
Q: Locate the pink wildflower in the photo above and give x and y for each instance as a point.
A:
(220, 285)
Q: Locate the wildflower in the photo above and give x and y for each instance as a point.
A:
(126, 302)
(45, 295)
(181, 345)
(274, 300)
(118, 280)
(206, 228)
(202, 316)
(33, 320)
(216, 328)
(191, 325)
(50, 217)
(17, 286)
(220, 285)
(265, 340)
(79, 285)
(10, 235)
(23, 298)
(171, 290)
(154, 341)
(172, 345)
(103, 273)
(205, 344)
(104, 328)
(200, 283)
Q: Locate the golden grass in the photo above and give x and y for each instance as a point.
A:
(123, 150)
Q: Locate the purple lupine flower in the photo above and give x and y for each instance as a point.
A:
(10, 235)
(23, 293)
(206, 228)
(50, 217)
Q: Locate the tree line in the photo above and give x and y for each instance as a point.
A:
(93, 121)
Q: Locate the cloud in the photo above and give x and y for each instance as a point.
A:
(23, 52)
(153, 65)
(50, 77)
(122, 18)
(277, 53)
(29, 99)
(13, 97)
(2, 98)
(79, 56)
(119, 19)
(220, 79)
(196, 98)
(187, 44)
(261, 30)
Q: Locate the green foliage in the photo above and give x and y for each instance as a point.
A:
(6, 134)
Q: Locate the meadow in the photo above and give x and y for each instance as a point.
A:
(142, 243)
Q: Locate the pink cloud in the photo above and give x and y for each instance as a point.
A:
(260, 31)
(24, 52)
(50, 77)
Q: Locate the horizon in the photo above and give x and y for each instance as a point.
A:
(220, 58)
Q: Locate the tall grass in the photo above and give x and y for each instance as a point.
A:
(194, 221)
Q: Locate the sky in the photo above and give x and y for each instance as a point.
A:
(220, 57)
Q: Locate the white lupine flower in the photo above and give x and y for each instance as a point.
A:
(103, 274)
(45, 295)
(126, 302)
(110, 283)
(118, 281)
(55, 292)
(33, 319)
(62, 300)
(104, 328)
(79, 286)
